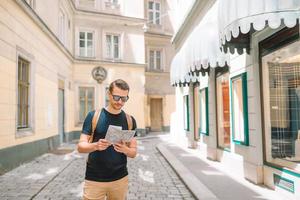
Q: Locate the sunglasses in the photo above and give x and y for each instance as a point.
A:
(117, 98)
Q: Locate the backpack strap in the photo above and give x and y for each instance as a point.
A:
(129, 121)
(94, 123)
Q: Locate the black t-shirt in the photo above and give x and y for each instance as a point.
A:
(107, 165)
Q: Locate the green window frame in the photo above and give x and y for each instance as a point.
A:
(243, 138)
(203, 119)
(186, 113)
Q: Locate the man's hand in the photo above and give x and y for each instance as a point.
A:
(121, 147)
(129, 149)
(102, 144)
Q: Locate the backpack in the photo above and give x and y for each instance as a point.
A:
(96, 118)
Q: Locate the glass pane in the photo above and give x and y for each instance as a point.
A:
(108, 45)
(151, 17)
(81, 43)
(91, 93)
(158, 60)
(116, 39)
(90, 36)
(223, 111)
(151, 60)
(90, 52)
(89, 44)
(157, 6)
(202, 111)
(116, 51)
(238, 111)
(150, 5)
(81, 35)
(82, 111)
(283, 102)
(157, 18)
(82, 51)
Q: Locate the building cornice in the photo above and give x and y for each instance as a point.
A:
(161, 35)
(194, 16)
(104, 15)
(33, 15)
(105, 62)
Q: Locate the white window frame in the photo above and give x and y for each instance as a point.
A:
(86, 49)
(154, 68)
(104, 46)
(154, 12)
(62, 26)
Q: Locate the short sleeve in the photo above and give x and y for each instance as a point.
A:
(87, 124)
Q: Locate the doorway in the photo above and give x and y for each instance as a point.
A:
(156, 112)
(61, 116)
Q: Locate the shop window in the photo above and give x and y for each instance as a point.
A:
(239, 109)
(86, 101)
(203, 111)
(223, 111)
(186, 113)
(280, 72)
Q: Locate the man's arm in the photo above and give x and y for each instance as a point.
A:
(85, 147)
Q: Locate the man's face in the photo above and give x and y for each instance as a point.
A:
(118, 97)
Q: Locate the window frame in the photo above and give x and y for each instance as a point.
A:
(155, 50)
(219, 71)
(111, 56)
(154, 12)
(243, 78)
(80, 121)
(283, 37)
(200, 131)
(186, 112)
(86, 31)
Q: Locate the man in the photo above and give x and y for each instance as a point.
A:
(106, 170)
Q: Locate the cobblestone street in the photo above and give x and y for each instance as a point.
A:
(59, 175)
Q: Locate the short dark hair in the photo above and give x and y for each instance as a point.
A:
(120, 84)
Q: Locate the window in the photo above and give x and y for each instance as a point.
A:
(87, 3)
(223, 112)
(281, 98)
(113, 46)
(239, 109)
(86, 101)
(155, 60)
(86, 44)
(113, 4)
(154, 12)
(203, 111)
(186, 113)
(62, 26)
(23, 93)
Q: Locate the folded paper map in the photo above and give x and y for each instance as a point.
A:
(115, 134)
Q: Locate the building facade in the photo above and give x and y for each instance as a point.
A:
(240, 105)
(57, 60)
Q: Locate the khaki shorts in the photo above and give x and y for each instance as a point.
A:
(114, 190)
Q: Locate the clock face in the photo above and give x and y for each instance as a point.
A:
(99, 74)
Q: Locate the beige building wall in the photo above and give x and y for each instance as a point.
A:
(133, 75)
(21, 36)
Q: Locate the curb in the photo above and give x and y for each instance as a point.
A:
(198, 189)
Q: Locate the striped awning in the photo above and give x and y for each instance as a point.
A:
(201, 50)
(238, 17)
